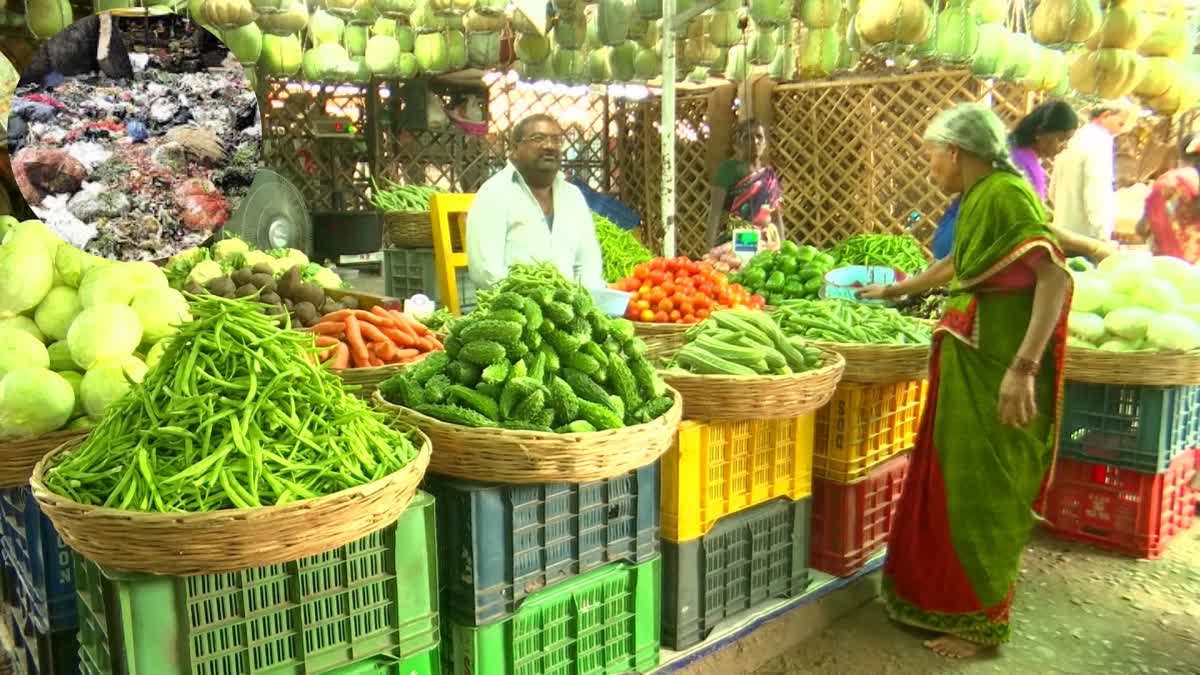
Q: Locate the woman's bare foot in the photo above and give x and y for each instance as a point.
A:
(955, 648)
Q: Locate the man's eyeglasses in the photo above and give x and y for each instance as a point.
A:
(544, 140)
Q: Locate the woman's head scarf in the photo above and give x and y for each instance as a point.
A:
(973, 128)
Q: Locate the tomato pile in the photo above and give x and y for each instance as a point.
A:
(680, 290)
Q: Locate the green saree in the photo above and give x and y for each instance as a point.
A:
(966, 511)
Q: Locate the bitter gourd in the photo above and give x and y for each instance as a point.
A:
(506, 333)
(649, 384)
(496, 373)
(513, 315)
(461, 372)
(508, 300)
(545, 418)
(600, 416)
(455, 415)
(533, 404)
(452, 345)
(563, 400)
(515, 391)
(581, 362)
(521, 425)
(428, 367)
(576, 427)
(564, 343)
(533, 314)
(585, 387)
(655, 408)
(560, 313)
(482, 353)
(402, 390)
(474, 400)
(623, 384)
(436, 388)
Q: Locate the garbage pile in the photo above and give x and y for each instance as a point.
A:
(136, 169)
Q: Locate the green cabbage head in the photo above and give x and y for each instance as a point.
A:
(34, 401)
(19, 349)
(26, 275)
(104, 333)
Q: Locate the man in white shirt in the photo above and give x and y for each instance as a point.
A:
(1083, 190)
(529, 213)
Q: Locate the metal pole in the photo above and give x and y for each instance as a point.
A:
(667, 129)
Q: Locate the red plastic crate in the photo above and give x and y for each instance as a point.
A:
(1120, 509)
(850, 523)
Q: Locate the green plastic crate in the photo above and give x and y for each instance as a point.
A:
(605, 622)
(425, 663)
(376, 596)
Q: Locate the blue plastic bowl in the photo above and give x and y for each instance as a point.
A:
(612, 303)
(845, 282)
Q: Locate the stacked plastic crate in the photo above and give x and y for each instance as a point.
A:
(550, 578)
(736, 516)
(861, 456)
(370, 607)
(1126, 464)
(412, 271)
(40, 607)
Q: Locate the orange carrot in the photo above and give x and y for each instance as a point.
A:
(387, 315)
(327, 341)
(398, 336)
(373, 333)
(376, 362)
(415, 327)
(341, 357)
(386, 351)
(334, 328)
(358, 348)
(364, 316)
(339, 315)
(425, 344)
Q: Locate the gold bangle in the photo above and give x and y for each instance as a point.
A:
(1024, 366)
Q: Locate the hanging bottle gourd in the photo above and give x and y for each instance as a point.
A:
(1057, 22)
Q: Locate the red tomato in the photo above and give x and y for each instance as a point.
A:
(688, 318)
(666, 305)
(642, 305)
(702, 313)
(647, 315)
(668, 287)
(675, 315)
(685, 307)
(656, 296)
(661, 317)
(657, 277)
(658, 264)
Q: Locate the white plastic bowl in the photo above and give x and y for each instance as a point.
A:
(612, 303)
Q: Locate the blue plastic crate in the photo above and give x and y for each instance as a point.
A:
(1139, 428)
(45, 579)
(38, 652)
(503, 543)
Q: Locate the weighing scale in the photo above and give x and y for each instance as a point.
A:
(746, 243)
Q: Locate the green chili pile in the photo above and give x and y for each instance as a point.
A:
(850, 323)
(886, 250)
(236, 415)
(396, 197)
(620, 249)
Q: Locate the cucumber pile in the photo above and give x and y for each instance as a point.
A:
(744, 342)
(537, 356)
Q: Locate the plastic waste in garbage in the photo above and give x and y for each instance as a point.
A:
(137, 131)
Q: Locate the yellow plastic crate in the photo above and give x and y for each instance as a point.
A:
(718, 468)
(865, 425)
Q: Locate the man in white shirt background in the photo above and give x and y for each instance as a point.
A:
(1084, 189)
(529, 213)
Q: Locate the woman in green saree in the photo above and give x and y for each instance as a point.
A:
(989, 434)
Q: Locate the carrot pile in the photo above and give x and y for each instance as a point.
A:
(357, 338)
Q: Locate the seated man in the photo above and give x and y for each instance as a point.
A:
(529, 213)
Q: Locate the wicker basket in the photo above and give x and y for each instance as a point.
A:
(229, 540)
(407, 229)
(1163, 369)
(881, 364)
(17, 458)
(530, 457)
(662, 339)
(744, 397)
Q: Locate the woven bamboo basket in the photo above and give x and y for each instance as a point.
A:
(529, 457)
(224, 541)
(17, 458)
(744, 397)
(881, 364)
(407, 229)
(369, 379)
(662, 339)
(1163, 369)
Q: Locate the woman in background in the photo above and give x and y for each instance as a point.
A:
(1171, 222)
(747, 187)
(1041, 135)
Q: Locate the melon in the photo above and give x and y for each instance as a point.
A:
(281, 54)
(737, 67)
(195, 10)
(1057, 22)
(647, 65)
(699, 75)
(621, 61)
(483, 50)
(456, 49)
(395, 9)
(222, 14)
(598, 70)
(1161, 75)
(569, 65)
(989, 58)
(245, 42)
(612, 22)
(571, 33)
(324, 27)
(354, 38)
(1019, 57)
(991, 12)
(382, 55)
(698, 49)
(1170, 38)
(651, 10)
(423, 20)
(325, 62)
(1124, 27)
(407, 66)
(649, 38)
(957, 35)
(485, 23)
(268, 6)
(382, 26)
(903, 21)
(783, 67)
(431, 51)
(406, 37)
(533, 49)
(821, 53)
(762, 47)
(1183, 95)
(719, 64)
(723, 30)
(770, 13)
(451, 7)
(818, 14)
(1107, 73)
(292, 20)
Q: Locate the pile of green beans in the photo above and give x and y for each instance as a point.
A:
(396, 197)
(620, 249)
(524, 278)
(236, 415)
(848, 322)
(886, 250)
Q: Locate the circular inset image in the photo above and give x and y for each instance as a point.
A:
(134, 137)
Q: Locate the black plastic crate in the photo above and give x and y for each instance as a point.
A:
(43, 564)
(1139, 428)
(499, 544)
(745, 560)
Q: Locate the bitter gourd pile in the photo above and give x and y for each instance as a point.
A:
(536, 356)
(744, 342)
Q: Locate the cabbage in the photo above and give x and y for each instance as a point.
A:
(1188, 284)
(1129, 323)
(81, 424)
(19, 349)
(71, 264)
(60, 357)
(257, 258)
(57, 311)
(156, 352)
(35, 231)
(1090, 291)
(145, 274)
(34, 401)
(26, 275)
(1174, 332)
(1172, 270)
(106, 382)
(26, 324)
(1073, 341)
(111, 284)
(1119, 346)
(1158, 295)
(327, 278)
(103, 333)
(1126, 271)
(1116, 301)
(1089, 327)
(161, 311)
(75, 379)
(227, 248)
(204, 272)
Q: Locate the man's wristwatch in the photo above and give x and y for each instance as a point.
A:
(1023, 366)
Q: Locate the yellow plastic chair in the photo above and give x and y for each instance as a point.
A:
(446, 210)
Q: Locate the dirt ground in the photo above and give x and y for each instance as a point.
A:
(1078, 610)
